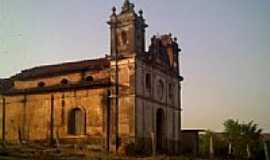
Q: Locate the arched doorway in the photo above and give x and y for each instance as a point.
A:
(160, 132)
(76, 122)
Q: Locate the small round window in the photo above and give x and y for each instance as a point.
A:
(89, 78)
(41, 84)
(64, 81)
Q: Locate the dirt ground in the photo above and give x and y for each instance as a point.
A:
(37, 152)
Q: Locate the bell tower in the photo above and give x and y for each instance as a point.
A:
(127, 31)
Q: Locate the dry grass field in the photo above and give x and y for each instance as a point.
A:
(35, 152)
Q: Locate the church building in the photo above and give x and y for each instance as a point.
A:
(131, 96)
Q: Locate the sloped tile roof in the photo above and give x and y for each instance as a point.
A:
(58, 69)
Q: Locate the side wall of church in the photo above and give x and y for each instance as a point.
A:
(28, 116)
(152, 97)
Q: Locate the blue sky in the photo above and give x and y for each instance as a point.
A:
(225, 57)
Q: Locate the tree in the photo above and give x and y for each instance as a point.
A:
(242, 137)
(232, 133)
(232, 130)
(251, 135)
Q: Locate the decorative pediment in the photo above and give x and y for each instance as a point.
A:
(165, 50)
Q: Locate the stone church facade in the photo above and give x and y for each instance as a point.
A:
(129, 96)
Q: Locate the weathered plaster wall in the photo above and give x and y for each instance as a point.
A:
(149, 101)
(30, 116)
(126, 98)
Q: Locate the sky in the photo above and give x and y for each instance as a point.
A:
(225, 48)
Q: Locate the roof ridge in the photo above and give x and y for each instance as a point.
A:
(66, 67)
(62, 63)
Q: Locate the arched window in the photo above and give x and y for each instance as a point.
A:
(148, 81)
(64, 81)
(89, 79)
(76, 122)
(41, 84)
(124, 37)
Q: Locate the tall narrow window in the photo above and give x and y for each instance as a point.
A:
(171, 91)
(160, 89)
(148, 81)
(76, 122)
(124, 37)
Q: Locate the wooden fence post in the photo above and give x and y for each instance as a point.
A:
(266, 150)
(211, 147)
